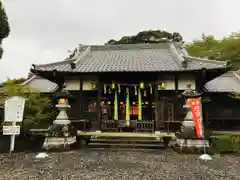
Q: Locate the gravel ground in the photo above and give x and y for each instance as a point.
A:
(115, 164)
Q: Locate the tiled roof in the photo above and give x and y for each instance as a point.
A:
(228, 82)
(41, 85)
(131, 58)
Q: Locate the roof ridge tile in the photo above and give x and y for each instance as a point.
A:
(206, 60)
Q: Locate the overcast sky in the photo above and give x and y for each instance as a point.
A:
(43, 31)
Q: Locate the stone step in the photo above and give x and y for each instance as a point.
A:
(126, 141)
(126, 145)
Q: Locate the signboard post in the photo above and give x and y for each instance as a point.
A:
(13, 112)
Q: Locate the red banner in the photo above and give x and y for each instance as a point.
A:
(195, 105)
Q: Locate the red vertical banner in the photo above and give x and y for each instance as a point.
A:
(195, 105)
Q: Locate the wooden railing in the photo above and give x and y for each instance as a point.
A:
(120, 126)
(145, 126)
(109, 126)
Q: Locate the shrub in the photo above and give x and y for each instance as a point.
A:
(226, 143)
(39, 109)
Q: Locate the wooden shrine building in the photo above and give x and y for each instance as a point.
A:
(134, 84)
(223, 110)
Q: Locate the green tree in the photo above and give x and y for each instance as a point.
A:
(13, 81)
(148, 36)
(4, 27)
(227, 48)
(39, 110)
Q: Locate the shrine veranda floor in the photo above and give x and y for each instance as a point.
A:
(127, 164)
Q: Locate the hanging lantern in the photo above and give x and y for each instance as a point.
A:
(105, 89)
(163, 85)
(119, 88)
(141, 85)
(150, 86)
(135, 88)
(145, 93)
(113, 86)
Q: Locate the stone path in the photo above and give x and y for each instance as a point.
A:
(115, 164)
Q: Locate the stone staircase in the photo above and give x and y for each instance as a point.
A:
(126, 142)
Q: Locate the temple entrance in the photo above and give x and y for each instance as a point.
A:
(139, 103)
(127, 108)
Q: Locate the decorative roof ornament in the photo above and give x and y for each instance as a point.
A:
(190, 93)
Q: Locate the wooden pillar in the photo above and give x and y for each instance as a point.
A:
(99, 93)
(176, 104)
(150, 103)
(204, 110)
(156, 99)
(80, 99)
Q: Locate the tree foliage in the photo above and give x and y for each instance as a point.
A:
(227, 48)
(4, 27)
(39, 110)
(148, 36)
(13, 81)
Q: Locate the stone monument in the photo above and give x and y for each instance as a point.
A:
(61, 135)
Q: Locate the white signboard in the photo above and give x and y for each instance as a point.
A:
(11, 130)
(14, 108)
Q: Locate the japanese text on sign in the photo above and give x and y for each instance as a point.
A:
(195, 105)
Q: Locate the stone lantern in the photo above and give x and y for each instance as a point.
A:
(188, 127)
(61, 135)
(186, 139)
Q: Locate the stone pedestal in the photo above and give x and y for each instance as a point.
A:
(59, 143)
(61, 135)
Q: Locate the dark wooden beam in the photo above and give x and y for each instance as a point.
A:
(99, 93)
(80, 99)
(156, 99)
(176, 104)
